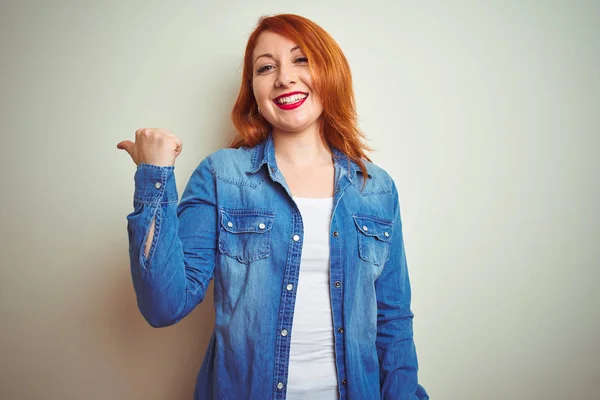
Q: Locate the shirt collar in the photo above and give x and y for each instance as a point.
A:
(264, 153)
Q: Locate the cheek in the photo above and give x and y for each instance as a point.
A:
(317, 100)
(260, 90)
(309, 82)
(307, 79)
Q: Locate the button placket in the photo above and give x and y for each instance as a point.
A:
(287, 296)
(337, 277)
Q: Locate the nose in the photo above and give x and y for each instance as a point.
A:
(286, 76)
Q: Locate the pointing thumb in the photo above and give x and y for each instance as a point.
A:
(126, 145)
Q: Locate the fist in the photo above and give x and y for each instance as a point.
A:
(153, 146)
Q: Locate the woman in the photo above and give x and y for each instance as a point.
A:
(301, 233)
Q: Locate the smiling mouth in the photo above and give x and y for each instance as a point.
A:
(295, 98)
(290, 101)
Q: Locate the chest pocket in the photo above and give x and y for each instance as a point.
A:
(374, 236)
(245, 234)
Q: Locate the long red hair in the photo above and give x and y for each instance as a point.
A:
(332, 83)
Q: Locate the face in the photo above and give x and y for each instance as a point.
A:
(283, 85)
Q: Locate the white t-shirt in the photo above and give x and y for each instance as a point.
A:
(312, 371)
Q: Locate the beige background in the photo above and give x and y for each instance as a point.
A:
(485, 113)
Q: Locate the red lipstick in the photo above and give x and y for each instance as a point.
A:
(290, 106)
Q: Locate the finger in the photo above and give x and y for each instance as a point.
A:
(178, 143)
(126, 145)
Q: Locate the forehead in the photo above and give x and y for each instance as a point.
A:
(272, 43)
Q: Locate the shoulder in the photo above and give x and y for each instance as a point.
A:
(229, 156)
(378, 173)
(232, 165)
(379, 182)
(227, 160)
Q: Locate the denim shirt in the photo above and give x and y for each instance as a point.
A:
(238, 224)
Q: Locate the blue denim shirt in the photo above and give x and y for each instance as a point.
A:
(238, 224)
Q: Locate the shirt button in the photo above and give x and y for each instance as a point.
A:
(336, 234)
(289, 286)
(338, 283)
(296, 238)
(261, 226)
(230, 224)
(341, 330)
(386, 234)
(158, 185)
(344, 381)
(365, 228)
(284, 332)
(280, 385)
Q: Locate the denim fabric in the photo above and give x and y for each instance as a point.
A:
(238, 224)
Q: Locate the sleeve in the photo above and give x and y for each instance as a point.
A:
(395, 345)
(180, 264)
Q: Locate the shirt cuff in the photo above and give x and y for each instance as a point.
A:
(155, 184)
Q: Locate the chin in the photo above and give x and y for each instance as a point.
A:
(295, 124)
(296, 127)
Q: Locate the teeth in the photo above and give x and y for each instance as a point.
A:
(291, 99)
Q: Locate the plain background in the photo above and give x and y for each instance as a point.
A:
(485, 113)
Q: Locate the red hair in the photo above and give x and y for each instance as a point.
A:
(332, 83)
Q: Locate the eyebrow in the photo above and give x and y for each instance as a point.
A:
(271, 55)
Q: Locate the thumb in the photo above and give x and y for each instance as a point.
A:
(126, 145)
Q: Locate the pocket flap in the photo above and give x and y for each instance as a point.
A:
(378, 228)
(246, 221)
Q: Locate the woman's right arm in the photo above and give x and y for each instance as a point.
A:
(171, 245)
(171, 268)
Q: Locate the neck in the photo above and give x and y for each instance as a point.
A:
(299, 149)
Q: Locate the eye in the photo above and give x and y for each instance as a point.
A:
(264, 68)
(302, 59)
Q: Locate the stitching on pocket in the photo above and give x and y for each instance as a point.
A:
(374, 236)
(245, 235)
